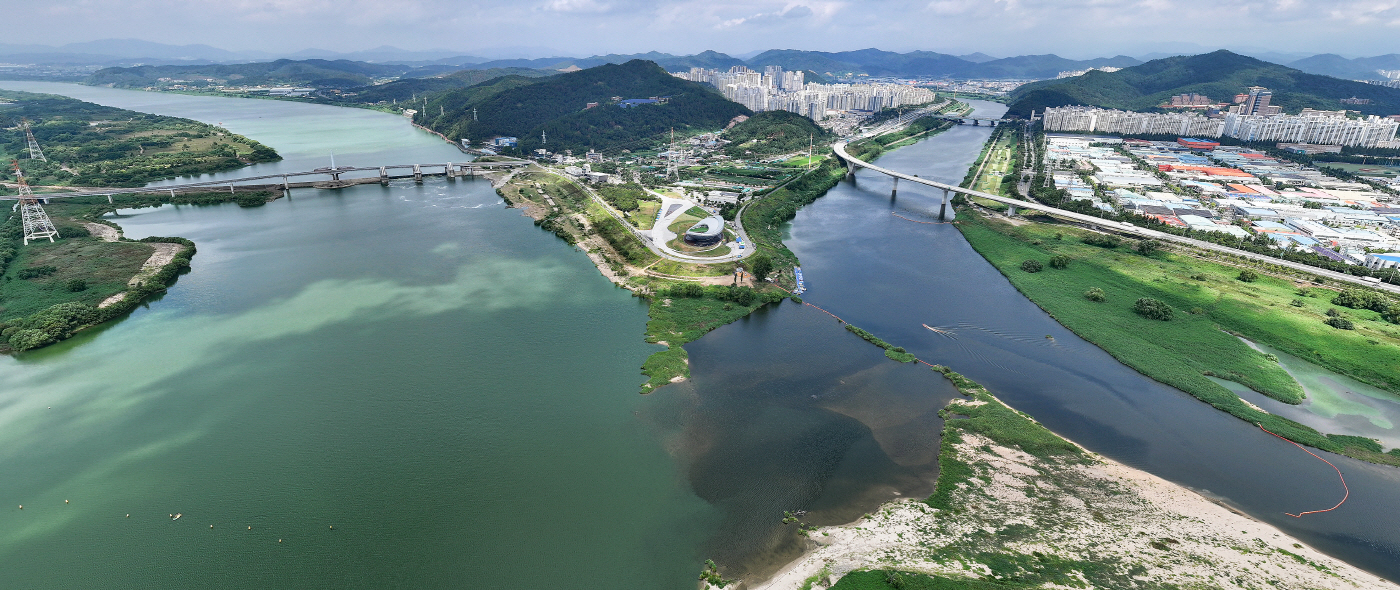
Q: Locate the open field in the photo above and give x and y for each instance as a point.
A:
(1209, 305)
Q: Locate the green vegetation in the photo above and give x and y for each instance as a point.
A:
(406, 91)
(770, 133)
(896, 580)
(624, 197)
(681, 313)
(1219, 75)
(1153, 309)
(710, 575)
(996, 421)
(557, 106)
(1096, 298)
(93, 145)
(764, 217)
(893, 352)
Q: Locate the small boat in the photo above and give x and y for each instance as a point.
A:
(176, 516)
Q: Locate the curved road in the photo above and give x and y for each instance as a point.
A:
(1116, 226)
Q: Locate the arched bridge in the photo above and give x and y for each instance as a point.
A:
(852, 164)
(328, 178)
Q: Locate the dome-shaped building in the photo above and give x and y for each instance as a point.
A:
(707, 232)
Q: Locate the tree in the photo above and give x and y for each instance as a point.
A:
(1155, 309)
(1094, 294)
(1340, 323)
(1247, 276)
(1032, 266)
(1059, 261)
(1148, 247)
(760, 266)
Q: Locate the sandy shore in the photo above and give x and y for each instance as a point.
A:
(1133, 523)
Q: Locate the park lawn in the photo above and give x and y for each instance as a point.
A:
(686, 269)
(645, 215)
(104, 266)
(1194, 344)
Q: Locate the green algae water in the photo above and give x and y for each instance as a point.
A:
(395, 387)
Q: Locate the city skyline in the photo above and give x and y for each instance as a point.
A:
(495, 28)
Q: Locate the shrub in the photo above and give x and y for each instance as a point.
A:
(1059, 261)
(1362, 299)
(1102, 240)
(760, 266)
(1247, 276)
(76, 285)
(1296, 303)
(1148, 247)
(1340, 323)
(1032, 266)
(1391, 314)
(1332, 313)
(1199, 277)
(36, 272)
(1094, 294)
(1153, 309)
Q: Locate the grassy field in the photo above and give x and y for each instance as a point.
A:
(104, 267)
(1209, 302)
(1001, 160)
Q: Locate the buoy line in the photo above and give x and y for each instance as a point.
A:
(1339, 476)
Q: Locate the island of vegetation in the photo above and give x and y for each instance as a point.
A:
(91, 145)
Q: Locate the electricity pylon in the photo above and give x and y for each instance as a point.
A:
(34, 152)
(36, 221)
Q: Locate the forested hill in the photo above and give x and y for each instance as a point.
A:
(405, 90)
(558, 106)
(1219, 75)
(773, 132)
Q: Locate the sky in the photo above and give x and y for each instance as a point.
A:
(1071, 28)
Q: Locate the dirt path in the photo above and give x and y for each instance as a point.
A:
(106, 232)
(162, 256)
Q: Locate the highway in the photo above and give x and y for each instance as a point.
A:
(1114, 226)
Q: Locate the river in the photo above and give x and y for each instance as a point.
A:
(451, 389)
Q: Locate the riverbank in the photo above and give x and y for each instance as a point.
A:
(681, 308)
(1019, 507)
(1210, 304)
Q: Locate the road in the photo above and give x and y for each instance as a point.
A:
(1117, 226)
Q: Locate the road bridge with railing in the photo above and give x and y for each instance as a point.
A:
(853, 164)
(330, 177)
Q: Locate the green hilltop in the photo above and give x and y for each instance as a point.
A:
(1219, 75)
(773, 132)
(558, 106)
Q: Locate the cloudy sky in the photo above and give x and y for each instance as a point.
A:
(1073, 28)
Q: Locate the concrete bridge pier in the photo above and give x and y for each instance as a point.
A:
(417, 173)
(286, 186)
(895, 189)
(335, 176)
(447, 171)
(850, 170)
(383, 175)
(943, 207)
(1010, 210)
(109, 199)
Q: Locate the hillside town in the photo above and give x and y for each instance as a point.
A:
(776, 90)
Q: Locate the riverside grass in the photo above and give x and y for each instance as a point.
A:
(1209, 302)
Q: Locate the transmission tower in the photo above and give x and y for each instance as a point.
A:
(673, 158)
(36, 221)
(34, 152)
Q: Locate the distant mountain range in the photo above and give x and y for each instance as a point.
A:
(1361, 68)
(1219, 75)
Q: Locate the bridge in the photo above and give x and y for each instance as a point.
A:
(990, 121)
(329, 178)
(853, 164)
